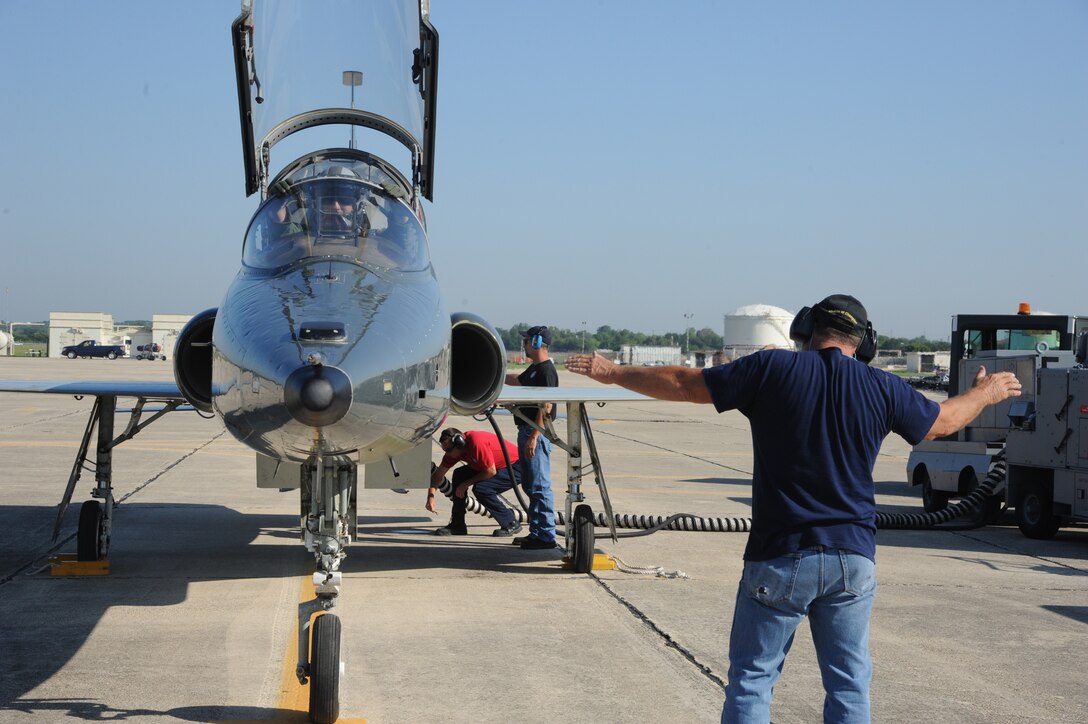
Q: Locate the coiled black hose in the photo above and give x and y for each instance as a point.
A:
(968, 505)
(971, 503)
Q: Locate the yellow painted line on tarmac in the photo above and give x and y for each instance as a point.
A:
(293, 703)
(294, 697)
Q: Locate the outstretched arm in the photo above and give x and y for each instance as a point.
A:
(957, 412)
(678, 384)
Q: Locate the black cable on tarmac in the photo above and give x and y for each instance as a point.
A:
(969, 505)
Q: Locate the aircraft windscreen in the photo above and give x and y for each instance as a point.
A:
(335, 54)
(336, 209)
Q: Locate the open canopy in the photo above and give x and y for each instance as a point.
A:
(370, 64)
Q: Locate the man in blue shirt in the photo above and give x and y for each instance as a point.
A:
(818, 418)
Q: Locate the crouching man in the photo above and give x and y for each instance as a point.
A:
(484, 470)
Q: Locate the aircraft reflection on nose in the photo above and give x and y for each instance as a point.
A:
(317, 394)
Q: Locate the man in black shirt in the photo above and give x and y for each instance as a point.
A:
(534, 449)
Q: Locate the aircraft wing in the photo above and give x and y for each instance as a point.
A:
(516, 395)
(115, 388)
(510, 395)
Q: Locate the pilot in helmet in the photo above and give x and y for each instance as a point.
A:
(336, 196)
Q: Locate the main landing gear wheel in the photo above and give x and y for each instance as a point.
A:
(583, 538)
(325, 670)
(89, 545)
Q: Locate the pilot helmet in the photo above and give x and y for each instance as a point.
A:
(336, 197)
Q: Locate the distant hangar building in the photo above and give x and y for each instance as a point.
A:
(67, 328)
(755, 326)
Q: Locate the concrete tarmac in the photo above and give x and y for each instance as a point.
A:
(195, 621)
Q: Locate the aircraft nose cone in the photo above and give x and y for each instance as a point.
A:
(317, 395)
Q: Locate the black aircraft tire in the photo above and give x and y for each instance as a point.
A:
(583, 539)
(1034, 515)
(325, 670)
(87, 538)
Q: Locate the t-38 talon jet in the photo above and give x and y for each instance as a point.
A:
(332, 348)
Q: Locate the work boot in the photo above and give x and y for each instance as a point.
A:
(446, 530)
(536, 544)
(501, 532)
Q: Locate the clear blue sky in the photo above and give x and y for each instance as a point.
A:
(620, 163)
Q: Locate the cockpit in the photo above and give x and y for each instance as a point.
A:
(347, 205)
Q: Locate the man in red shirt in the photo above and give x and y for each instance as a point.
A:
(483, 460)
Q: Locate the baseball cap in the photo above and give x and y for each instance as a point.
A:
(843, 312)
(539, 329)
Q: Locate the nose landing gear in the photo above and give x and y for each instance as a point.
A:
(328, 496)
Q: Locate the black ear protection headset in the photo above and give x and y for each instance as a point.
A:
(537, 340)
(804, 324)
(456, 439)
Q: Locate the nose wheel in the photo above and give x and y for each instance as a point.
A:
(325, 670)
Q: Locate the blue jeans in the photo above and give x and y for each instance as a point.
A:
(835, 589)
(536, 481)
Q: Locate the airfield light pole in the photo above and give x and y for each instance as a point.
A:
(583, 336)
(687, 332)
(353, 78)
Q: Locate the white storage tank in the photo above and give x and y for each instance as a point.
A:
(754, 326)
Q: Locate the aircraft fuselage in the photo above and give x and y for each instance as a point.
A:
(386, 331)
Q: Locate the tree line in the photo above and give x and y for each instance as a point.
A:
(705, 339)
(604, 337)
